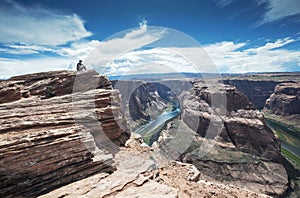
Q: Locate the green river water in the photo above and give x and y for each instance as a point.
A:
(290, 137)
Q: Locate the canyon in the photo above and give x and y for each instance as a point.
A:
(245, 152)
(67, 134)
(274, 93)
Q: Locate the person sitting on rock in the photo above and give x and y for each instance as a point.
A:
(80, 66)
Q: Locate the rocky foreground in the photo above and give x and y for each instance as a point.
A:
(63, 134)
(139, 174)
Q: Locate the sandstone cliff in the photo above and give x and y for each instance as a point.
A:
(60, 83)
(55, 136)
(258, 91)
(144, 101)
(245, 152)
(275, 93)
(285, 100)
(148, 100)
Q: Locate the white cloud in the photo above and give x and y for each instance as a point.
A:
(24, 49)
(75, 49)
(124, 53)
(164, 60)
(78, 49)
(277, 44)
(19, 51)
(220, 57)
(38, 26)
(278, 9)
(269, 57)
(143, 24)
(224, 56)
(67, 60)
(198, 58)
(34, 39)
(92, 52)
(30, 47)
(122, 43)
(157, 60)
(13, 67)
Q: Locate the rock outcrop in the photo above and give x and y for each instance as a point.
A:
(231, 145)
(285, 100)
(52, 139)
(138, 175)
(258, 91)
(58, 82)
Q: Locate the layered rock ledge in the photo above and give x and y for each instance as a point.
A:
(139, 175)
(50, 139)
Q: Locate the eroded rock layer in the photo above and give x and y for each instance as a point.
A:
(47, 84)
(285, 100)
(48, 141)
(227, 139)
(138, 176)
(258, 91)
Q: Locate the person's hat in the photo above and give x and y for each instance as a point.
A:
(80, 60)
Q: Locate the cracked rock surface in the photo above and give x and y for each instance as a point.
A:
(138, 175)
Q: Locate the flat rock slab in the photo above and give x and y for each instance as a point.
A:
(126, 181)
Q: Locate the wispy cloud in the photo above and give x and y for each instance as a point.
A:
(43, 40)
(274, 10)
(220, 57)
(29, 58)
(74, 49)
(273, 45)
(223, 3)
(24, 49)
(157, 60)
(123, 43)
(277, 9)
(268, 57)
(78, 49)
(38, 26)
(37, 39)
(95, 54)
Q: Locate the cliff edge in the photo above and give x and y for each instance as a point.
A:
(57, 128)
(63, 135)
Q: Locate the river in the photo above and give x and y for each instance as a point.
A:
(291, 136)
(151, 131)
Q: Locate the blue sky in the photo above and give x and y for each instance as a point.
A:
(237, 36)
